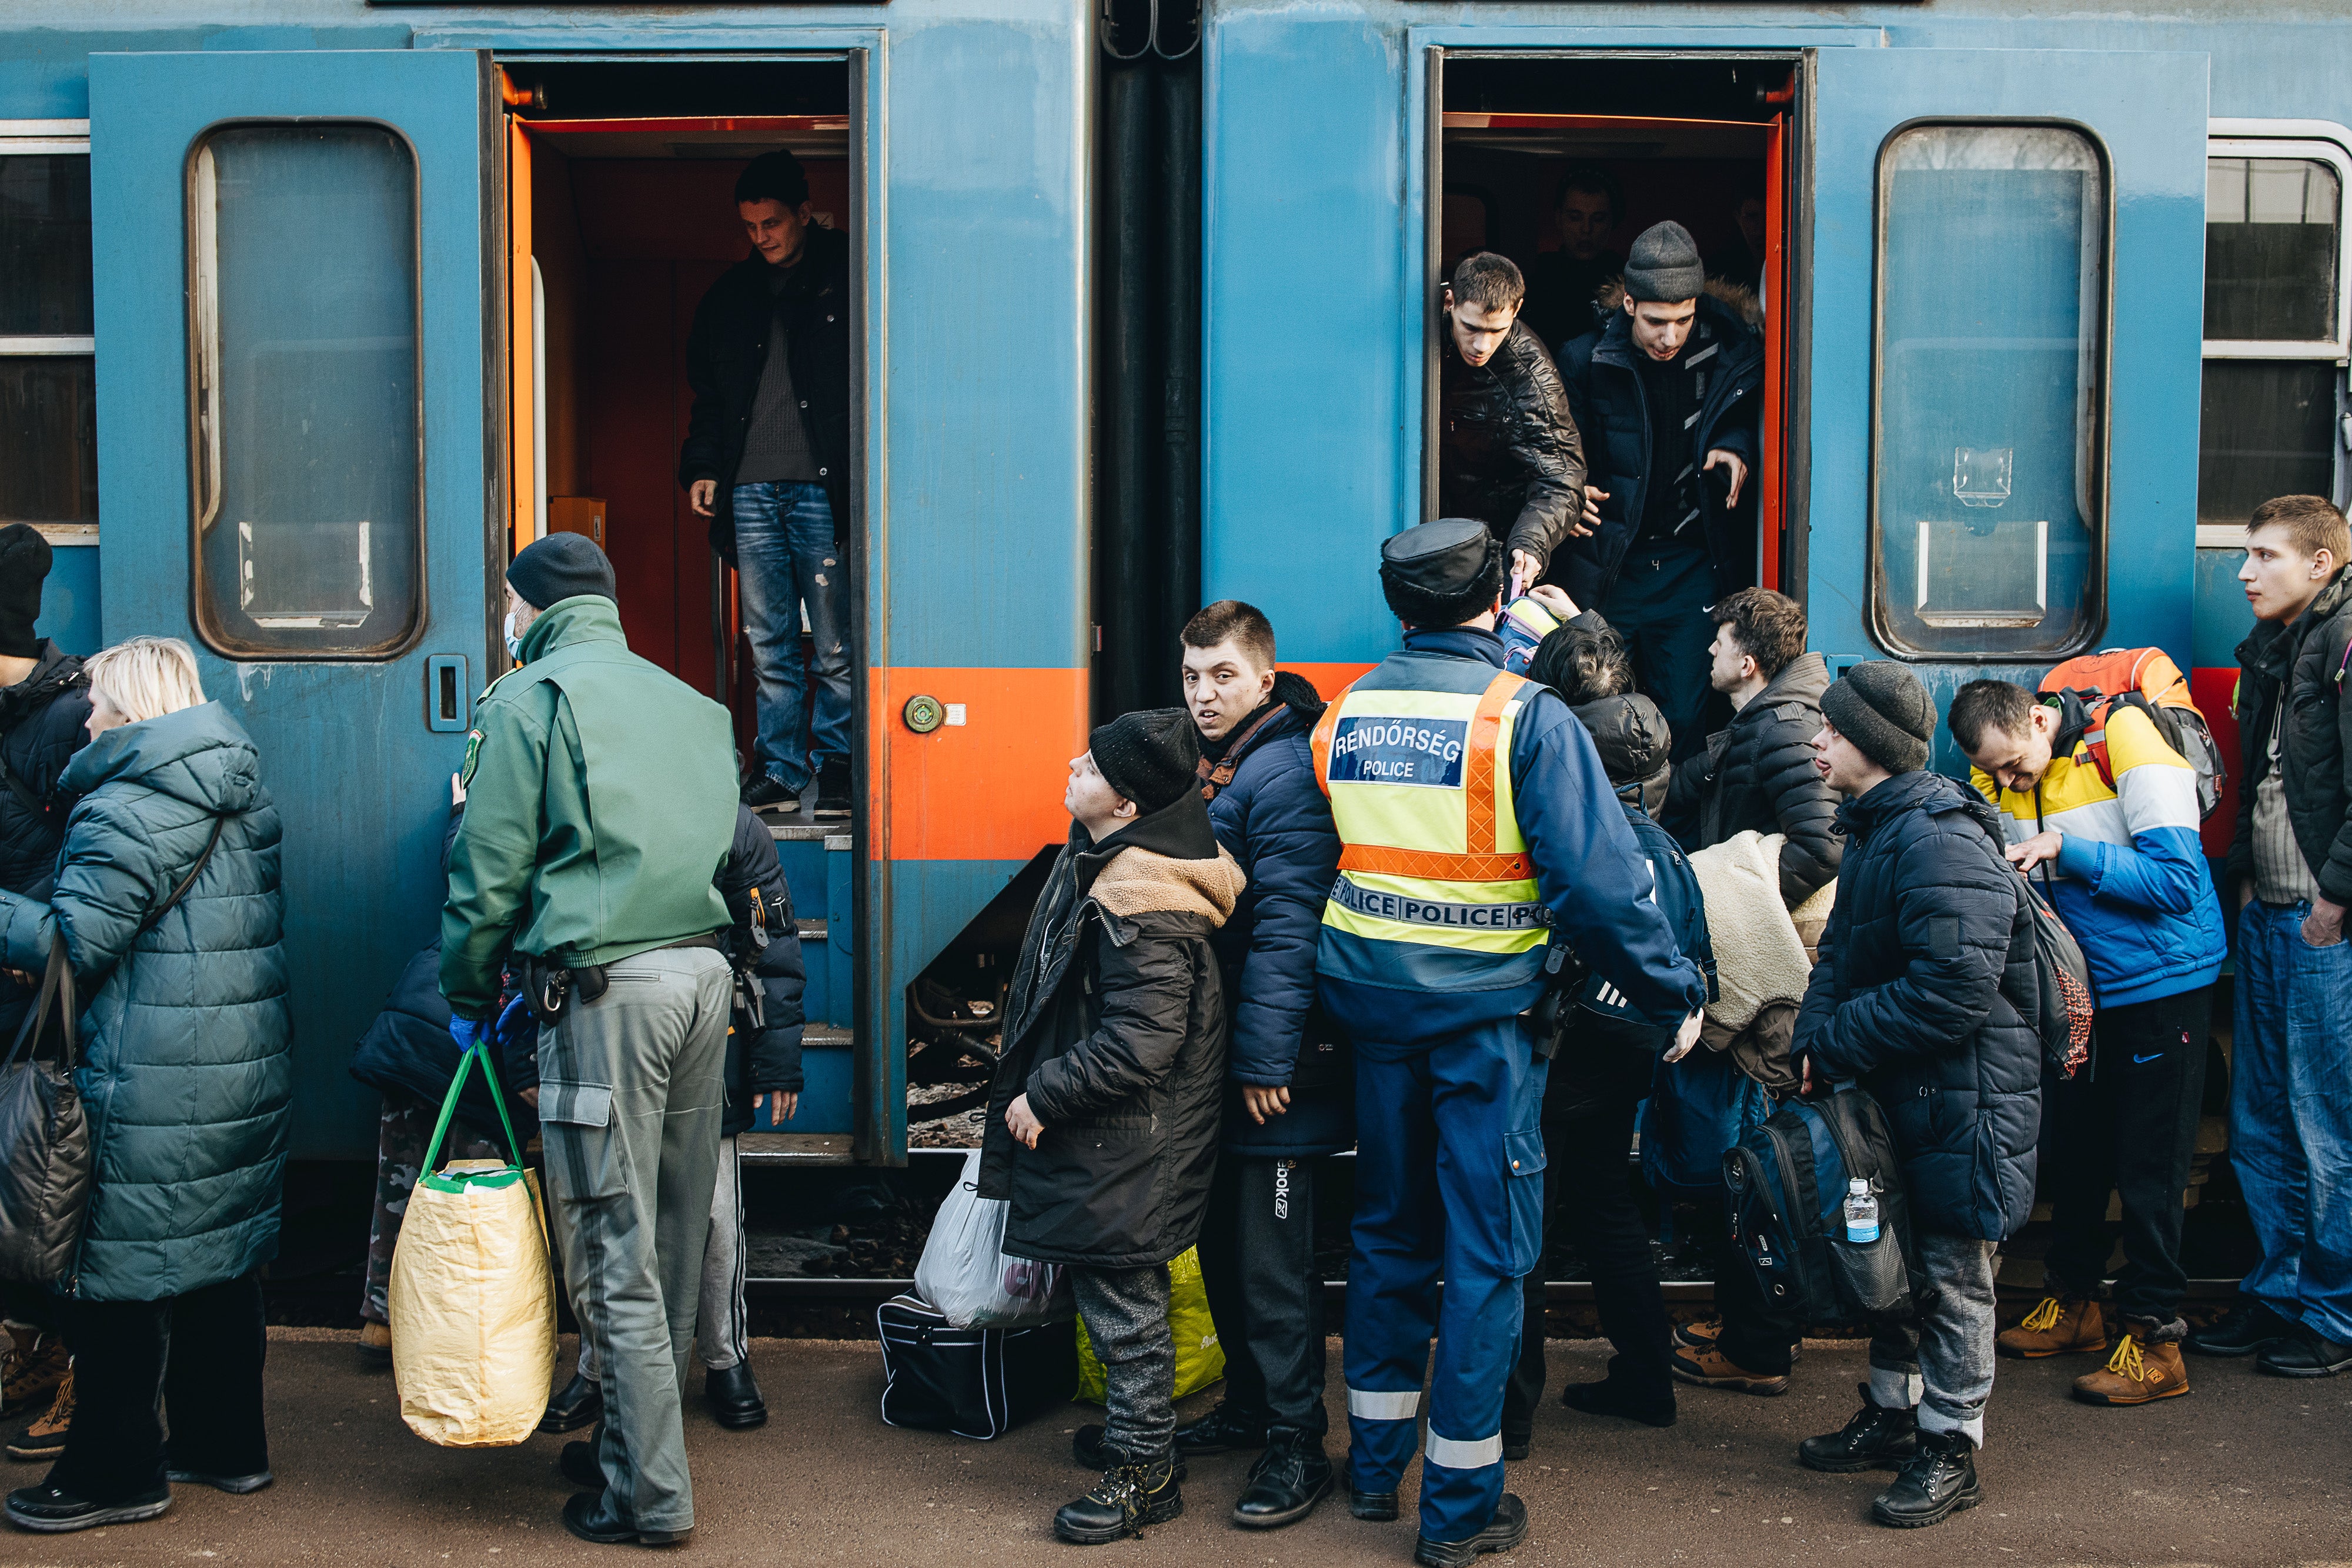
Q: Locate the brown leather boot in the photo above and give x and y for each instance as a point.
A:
(2146, 1366)
(46, 1437)
(37, 1364)
(2059, 1326)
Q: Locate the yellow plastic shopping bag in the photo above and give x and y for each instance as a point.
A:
(473, 1308)
(1200, 1359)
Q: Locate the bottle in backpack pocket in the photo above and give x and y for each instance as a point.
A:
(1860, 1213)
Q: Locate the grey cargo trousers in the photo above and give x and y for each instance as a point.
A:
(630, 1099)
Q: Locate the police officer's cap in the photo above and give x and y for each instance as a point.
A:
(1443, 559)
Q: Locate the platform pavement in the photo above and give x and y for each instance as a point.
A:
(2245, 1471)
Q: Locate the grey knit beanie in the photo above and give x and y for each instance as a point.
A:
(1663, 265)
(1881, 706)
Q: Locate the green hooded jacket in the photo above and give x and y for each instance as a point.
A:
(600, 801)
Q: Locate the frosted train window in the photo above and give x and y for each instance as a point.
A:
(1989, 461)
(303, 356)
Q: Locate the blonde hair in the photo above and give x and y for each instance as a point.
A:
(145, 678)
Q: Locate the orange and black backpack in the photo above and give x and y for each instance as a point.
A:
(2089, 687)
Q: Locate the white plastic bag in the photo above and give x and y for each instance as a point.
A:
(965, 1273)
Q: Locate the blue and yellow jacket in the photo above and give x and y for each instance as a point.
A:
(2131, 881)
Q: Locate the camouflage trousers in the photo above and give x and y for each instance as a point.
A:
(400, 1142)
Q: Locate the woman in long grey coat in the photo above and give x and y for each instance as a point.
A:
(187, 1079)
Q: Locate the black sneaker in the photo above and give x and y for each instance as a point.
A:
(764, 794)
(1505, 1530)
(1087, 1449)
(1289, 1479)
(50, 1511)
(833, 788)
(1940, 1480)
(2304, 1352)
(235, 1485)
(1122, 1503)
(2245, 1329)
(1875, 1439)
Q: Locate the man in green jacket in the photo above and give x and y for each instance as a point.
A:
(599, 802)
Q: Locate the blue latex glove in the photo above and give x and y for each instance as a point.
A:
(510, 1019)
(467, 1032)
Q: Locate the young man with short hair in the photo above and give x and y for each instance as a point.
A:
(766, 459)
(1667, 394)
(1564, 285)
(1927, 995)
(1102, 1126)
(2124, 867)
(1290, 1097)
(2291, 860)
(1508, 452)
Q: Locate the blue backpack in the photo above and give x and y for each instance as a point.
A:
(1786, 1184)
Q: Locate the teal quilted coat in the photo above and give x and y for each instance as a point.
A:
(186, 1069)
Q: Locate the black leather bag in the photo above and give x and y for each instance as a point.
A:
(44, 1148)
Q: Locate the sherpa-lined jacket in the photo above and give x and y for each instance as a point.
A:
(2131, 881)
(1116, 1030)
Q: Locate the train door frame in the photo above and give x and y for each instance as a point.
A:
(877, 1136)
(1786, 470)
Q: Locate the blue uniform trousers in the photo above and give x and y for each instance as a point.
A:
(1465, 1111)
(1659, 607)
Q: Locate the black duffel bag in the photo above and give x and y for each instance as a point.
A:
(44, 1148)
(975, 1383)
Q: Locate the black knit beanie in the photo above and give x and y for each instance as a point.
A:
(1151, 757)
(24, 565)
(1881, 706)
(561, 567)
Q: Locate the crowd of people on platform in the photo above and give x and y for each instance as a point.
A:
(1478, 916)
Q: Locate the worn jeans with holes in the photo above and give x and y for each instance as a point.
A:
(785, 557)
(631, 1096)
(2291, 1114)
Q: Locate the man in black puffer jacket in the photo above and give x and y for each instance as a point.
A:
(1926, 994)
(1508, 452)
(44, 703)
(1102, 1124)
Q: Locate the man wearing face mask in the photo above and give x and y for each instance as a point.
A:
(601, 801)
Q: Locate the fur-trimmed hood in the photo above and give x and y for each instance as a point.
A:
(1736, 297)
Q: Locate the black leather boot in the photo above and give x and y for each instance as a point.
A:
(1940, 1480)
(1127, 1499)
(2245, 1329)
(1289, 1479)
(579, 1403)
(1220, 1430)
(733, 1396)
(1087, 1449)
(578, 1463)
(1504, 1531)
(1875, 1439)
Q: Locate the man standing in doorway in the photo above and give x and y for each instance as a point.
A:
(1508, 453)
(1563, 285)
(600, 805)
(1669, 390)
(766, 459)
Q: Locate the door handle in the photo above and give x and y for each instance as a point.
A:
(448, 698)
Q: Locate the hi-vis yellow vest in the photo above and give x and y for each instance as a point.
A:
(1420, 781)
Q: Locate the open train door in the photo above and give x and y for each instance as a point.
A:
(293, 352)
(1992, 463)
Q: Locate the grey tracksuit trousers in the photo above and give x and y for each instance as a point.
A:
(631, 1095)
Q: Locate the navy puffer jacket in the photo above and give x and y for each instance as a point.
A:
(1274, 820)
(1926, 994)
(187, 1071)
(41, 719)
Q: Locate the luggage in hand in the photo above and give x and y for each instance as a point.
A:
(473, 1306)
(968, 1279)
(44, 1148)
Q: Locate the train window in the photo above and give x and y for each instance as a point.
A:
(49, 417)
(305, 423)
(1988, 467)
(2275, 325)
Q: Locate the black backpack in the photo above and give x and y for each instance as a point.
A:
(1785, 1182)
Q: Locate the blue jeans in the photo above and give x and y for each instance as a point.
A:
(1449, 1182)
(2291, 1114)
(785, 556)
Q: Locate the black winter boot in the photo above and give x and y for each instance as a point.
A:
(1289, 1479)
(1127, 1498)
(1940, 1480)
(1087, 1449)
(1221, 1429)
(1876, 1439)
(1504, 1531)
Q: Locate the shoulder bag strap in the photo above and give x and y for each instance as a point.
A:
(156, 914)
(58, 981)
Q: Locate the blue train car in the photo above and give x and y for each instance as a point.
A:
(308, 318)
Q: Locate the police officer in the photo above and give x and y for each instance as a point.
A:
(600, 800)
(1482, 843)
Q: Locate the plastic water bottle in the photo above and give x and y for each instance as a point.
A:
(1860, 1212)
